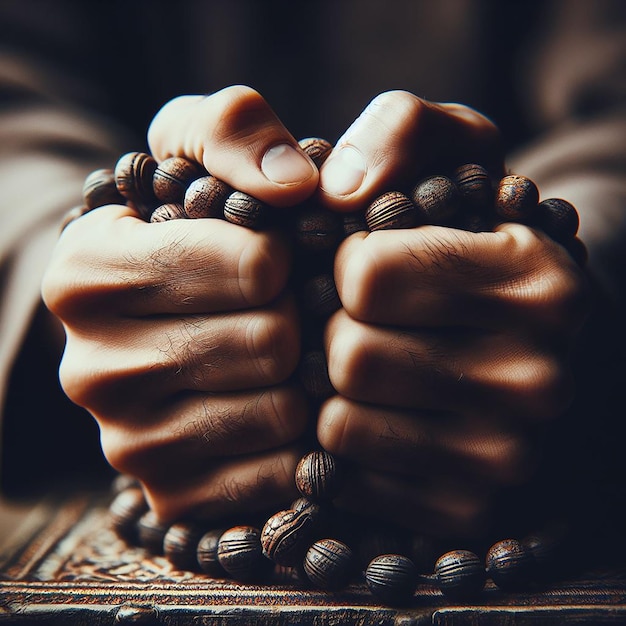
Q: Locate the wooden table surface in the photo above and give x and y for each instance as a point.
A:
(62, 564)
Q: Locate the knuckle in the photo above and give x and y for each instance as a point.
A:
(550, 287)
(286, 413)
(510, 460)
(359, 284)
(263, 270)
(235, 109)
(350, 362)
(272, 342)
(540, 387)
(332, 425)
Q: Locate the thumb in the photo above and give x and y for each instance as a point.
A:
(239, 139)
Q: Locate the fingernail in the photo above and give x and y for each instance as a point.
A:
(285, 165)
(344, 172)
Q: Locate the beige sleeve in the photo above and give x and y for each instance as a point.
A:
(576, 90)
(47, 147)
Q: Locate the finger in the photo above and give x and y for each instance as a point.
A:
(110, 262)
(239, 139)
(417, 444)
(438, 508)
(192, 432)
(399, 137)
(435, 276)
(149, 360)
(455, 370)
(245, 486)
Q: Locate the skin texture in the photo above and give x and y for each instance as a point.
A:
(450, 352)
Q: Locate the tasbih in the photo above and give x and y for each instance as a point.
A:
(309, 539)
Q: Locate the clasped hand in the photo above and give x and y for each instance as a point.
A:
(450, 351)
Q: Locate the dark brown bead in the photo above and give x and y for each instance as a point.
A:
(423, 552)
(172, 177)
(317, 230)
(180, 544)
(122, 482)
(354, 223)
(320, 297)
(206, 553)
(436, 199)
(317, 149)
(547, 547)
(99, 189)
(392, 578)
(329, 564)
(516, 198)
(313, 374)
(134, 172)
(509, 564)
(167, 212)
(318, 476)
(205, 197)
(391, 210)
(374, 539)
(287, 535)
(577, 250)
(475, 186)
(125, 510)
(460, 574)
(245, 210)
(72, 215)
(557, 218)
(151, 532)
(240, 553)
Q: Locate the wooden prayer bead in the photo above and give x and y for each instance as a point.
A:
(475, 186)
(577, 250)
(167, 212)
(134, 173)
(392, 578)
(244, 210)
(329, 564)
(423, 552)
(180, 544)
(206, 553)
(557, 218)
(72, 215)
(313, 374)
(286, 536)
(205, 197)
(354, 223)
(317, 230)
(317, 149)
(509, 564)
(374, 539)
(125, 510)
(320, 297)
(318, 476)
(240, 553)
(172, 177)
(516, 197)
(391, 210)
(436, 199)
(99, 189)
(151, 532)
(122, 482)
(460, 574)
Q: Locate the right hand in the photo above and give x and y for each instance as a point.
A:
(181, 335)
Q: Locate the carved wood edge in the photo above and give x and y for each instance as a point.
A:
(65, 563)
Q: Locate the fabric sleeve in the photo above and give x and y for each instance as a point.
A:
(575, 90)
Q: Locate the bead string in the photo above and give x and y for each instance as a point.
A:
(299, 539)
(312, 544)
